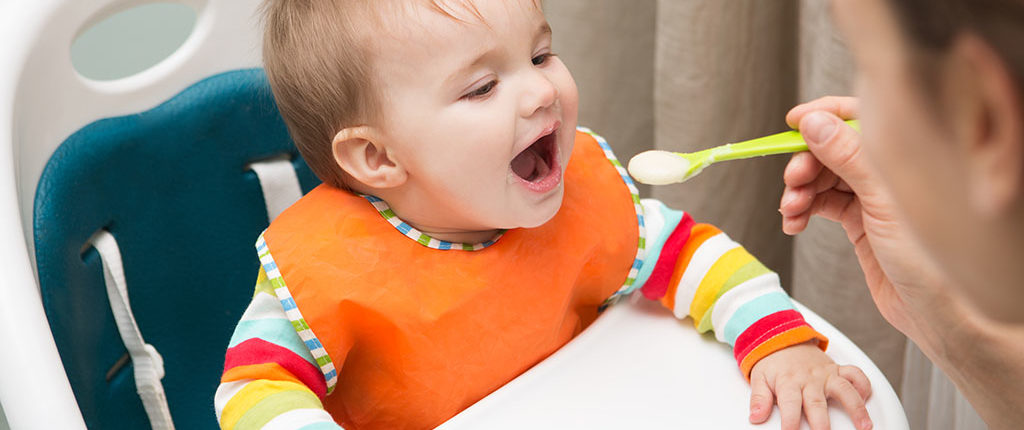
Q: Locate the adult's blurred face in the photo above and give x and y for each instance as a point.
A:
(923, 115)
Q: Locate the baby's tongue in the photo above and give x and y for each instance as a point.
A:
(525, 164)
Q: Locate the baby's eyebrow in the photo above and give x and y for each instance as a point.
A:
(545, 29)
(462, 71)
(542, 31)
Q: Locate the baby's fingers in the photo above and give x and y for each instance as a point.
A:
(790, 402)
(816, 406)
(761, 399)
(859, 380)
(843, 390)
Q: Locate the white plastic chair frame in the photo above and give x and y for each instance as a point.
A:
(43, 100)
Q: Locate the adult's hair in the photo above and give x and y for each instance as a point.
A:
(933, 25)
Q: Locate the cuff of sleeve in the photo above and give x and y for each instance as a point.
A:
(792, 336)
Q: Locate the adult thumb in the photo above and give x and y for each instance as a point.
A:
(837, 146)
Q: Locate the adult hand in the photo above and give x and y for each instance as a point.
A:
(835, 181)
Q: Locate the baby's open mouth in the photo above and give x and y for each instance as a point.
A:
(537, 161)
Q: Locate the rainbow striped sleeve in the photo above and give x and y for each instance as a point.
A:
(270, 379)
(696, 270)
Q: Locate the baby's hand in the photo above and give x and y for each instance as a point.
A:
(803, 376)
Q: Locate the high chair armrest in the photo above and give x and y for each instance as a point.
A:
(638, 367)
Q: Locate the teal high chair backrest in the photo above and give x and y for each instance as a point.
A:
(171, 185)
(143, 187)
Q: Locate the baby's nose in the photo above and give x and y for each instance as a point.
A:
(540, 94)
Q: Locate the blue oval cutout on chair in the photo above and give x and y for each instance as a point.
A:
(131, 40)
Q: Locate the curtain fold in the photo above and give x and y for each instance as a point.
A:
(721, 71)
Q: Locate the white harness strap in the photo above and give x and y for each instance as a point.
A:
(280, 184)
(147, 362)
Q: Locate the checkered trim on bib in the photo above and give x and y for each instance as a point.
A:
(292, 311)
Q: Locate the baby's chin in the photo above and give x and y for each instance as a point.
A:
(542, 213)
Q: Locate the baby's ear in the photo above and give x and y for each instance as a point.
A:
(360, 152)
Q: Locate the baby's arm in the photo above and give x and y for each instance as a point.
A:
(270, 379)
(696, 270)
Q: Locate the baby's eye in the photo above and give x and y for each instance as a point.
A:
(482, 91)
(542, 58)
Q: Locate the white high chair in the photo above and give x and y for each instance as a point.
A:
(76, 153)
(636, 367)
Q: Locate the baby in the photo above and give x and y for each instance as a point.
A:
(466, 229)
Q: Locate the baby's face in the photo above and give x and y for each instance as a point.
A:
(479, 113)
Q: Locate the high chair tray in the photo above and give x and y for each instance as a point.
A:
(638, 367)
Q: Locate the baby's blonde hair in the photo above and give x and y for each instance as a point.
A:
(319, 72)
(318, 58)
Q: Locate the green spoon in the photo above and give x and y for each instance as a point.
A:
(664, 167)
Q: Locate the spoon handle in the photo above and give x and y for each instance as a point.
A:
(779, 143)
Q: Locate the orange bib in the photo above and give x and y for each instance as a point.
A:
(417, 334)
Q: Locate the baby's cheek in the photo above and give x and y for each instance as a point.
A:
(568, 94)
(566, 152)
(570, 103)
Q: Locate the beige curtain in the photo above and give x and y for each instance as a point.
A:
(688, 74)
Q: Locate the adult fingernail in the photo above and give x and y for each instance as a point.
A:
(818, 127)
(865, 424)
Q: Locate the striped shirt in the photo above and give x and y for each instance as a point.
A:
(272, 381)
